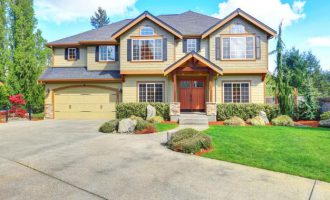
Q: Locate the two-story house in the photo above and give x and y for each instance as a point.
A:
(189, 58)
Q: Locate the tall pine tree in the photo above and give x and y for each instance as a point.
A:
(29, 53)
(100, 18)
(4, 52)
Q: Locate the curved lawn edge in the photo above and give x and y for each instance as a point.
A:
(161, 127)
(292, 150)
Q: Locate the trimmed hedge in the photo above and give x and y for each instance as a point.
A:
(325, 115)
(126, 110)
(244, 111)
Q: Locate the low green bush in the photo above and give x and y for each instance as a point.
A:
(125, 110)
(156, 119)
(189, 141)
(38, 116)
(244, 111)
(109, 127)
(234, 121)
(325, 116)
(282, 120)
(256, 121)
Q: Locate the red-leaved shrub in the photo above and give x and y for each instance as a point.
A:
(17, 102)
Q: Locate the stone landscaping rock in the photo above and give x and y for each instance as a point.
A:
(325, 123)
(263, 115)
(151, 112)
(126, 126)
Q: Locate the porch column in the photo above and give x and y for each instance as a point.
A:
(175, 88)
(210, 87)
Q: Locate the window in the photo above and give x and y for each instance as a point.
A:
(147, 49)
(191, 45)
(237, 28)
(107, 53)
(72, 53)
(151, 92)
(147, 31)
(236, 92)
(238, 48)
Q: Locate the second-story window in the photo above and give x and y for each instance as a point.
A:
(191, 45)
(239, 48)
(147, 31)
(107, 53)
(147, 49)
(72, 53)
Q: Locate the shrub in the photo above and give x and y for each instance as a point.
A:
(282, 120)
(17, 102)
(140, 123)
(109, 127)
(234, 121)
(325, 115)
(244, 111)
(125, 110)
(38, 116)
(156, 119)
(256, 121)
(189, 141)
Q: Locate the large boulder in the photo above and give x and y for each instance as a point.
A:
(263, 115)
(126, 126)
(151, 112)
(325, 123)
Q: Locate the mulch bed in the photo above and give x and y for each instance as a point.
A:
(311, 123)
(202, 151)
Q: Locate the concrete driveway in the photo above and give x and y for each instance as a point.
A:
(71, 160)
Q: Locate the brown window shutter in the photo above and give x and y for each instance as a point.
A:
(97, 54)
(217, 48)
(258, 48)
(66, 52)
(165, 49)
(129, 49)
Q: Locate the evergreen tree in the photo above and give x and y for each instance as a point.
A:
(282, 77)
(100, 18)
(28, 56)
(308, 106)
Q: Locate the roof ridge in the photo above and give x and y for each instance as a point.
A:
(199, 14)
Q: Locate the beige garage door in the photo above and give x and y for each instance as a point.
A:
(85, 103)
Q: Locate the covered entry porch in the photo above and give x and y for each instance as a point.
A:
(192, 78)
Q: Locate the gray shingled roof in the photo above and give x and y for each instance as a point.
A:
(187, 23)
(69, 73)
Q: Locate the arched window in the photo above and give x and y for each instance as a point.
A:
(146, 31)
(237, 28)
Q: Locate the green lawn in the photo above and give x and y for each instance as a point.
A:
(293, 150)
(164, 127)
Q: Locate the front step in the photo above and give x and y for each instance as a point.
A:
(193, 119)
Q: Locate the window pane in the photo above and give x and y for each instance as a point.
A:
(249, 47)
(159, 49)
(236, 92)
(136, 50)
(198, 84)
(184, 84)
(159, 93)
(191, 45)
(72, 53)
(142, 93)
(147, 49)
(245, 93)
(107, 53)
(227, 92)
(226, 48)
(150, 92)
(147, 31)
(237, 48)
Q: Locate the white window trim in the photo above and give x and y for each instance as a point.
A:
(75, 53)
(240, 87)
(195, 48)
(100, 57)
(254, 47)
(139, 60)
(153, 31)
(151, 83)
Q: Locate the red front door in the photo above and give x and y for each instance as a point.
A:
(192, 94)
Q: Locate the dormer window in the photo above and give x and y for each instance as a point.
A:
(147, 31)
(237, 29)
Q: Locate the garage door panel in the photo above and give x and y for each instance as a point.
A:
(85, 103)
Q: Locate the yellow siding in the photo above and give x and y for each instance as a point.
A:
(142, 66)
(257, 87)
(245, 64)
(59, 60)
(130, 90)
(93, 65)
